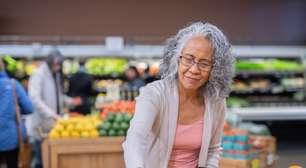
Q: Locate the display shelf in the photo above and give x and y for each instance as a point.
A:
(271, 113)
(110, 76)
(38, 51)
(138, 51)
(268, 91)
(269, 73)
(90, 153)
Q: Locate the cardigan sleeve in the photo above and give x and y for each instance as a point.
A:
(215, 149)
(35, 90)
(147, 107)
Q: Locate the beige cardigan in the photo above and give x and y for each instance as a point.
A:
(151, 134)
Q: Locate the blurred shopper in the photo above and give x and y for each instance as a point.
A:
(178, 120)
(46, 92)
(9, 146)
(80, 85)
(134, 80)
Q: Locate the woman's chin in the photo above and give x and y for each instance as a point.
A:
(190, 86)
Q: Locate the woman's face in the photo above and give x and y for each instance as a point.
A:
(130, 74)
(195, 63)
(56, 66)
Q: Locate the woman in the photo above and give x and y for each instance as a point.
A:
(46, 92)
(9, 144)
(134, 81)
(178, 120)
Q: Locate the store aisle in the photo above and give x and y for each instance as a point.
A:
(291, 141)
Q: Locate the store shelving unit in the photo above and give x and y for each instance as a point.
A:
(267, 95)
(274, 110)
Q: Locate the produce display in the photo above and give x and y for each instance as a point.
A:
(237, 102)
(76, 127)
(268, 82)
(117, 107)
(101, 85)
(236, 145)
(251, 85)
(106, 66)
(115, 124)
(268, 65)
(20, 68)
(259, 81)
(70, 66)
(295, 82)
(288, 83)
(116, 118)
(248, 141)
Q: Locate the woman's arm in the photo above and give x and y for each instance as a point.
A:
(215, 149)
(147, 107)
(35, 95)
(24, 101)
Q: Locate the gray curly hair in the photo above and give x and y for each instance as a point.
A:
(222, 73)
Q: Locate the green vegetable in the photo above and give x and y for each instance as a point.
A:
(103, 132)
(112, 132)
(116, 126)
(125, 126)
(121, 133)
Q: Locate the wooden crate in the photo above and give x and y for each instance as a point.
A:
(267, 156)
(84, 152)
(234, 163)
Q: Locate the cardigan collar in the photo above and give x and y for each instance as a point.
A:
(173, 118)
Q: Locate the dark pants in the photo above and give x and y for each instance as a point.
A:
(9, 158)
(37, 154)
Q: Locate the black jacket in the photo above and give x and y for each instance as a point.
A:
(80, 84)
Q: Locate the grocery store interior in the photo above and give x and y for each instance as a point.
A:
(119, 46)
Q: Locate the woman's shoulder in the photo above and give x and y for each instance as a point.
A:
(42, 72)
(156, 91)
(158, 86)
(218, 107)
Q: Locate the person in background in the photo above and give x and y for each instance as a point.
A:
(46, 92)
(80, 85)
(134, 81)
(189, 101)
(9, 144)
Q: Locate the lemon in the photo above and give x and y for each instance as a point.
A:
(58, 127)
(70, 127)
(79, 127)
(65, 134)
(89, 127)
(94, 133)
(75, 134)
(63, 122)
(85, 134)
(54, 134)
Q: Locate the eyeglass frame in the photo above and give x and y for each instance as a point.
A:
(195, 62)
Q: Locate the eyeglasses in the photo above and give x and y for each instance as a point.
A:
(189, 61)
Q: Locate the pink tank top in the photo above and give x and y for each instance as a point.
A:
(187, 145)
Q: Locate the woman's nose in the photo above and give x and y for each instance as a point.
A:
(194, 68)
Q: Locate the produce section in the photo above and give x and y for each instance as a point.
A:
(268, 81)
(264, 88)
